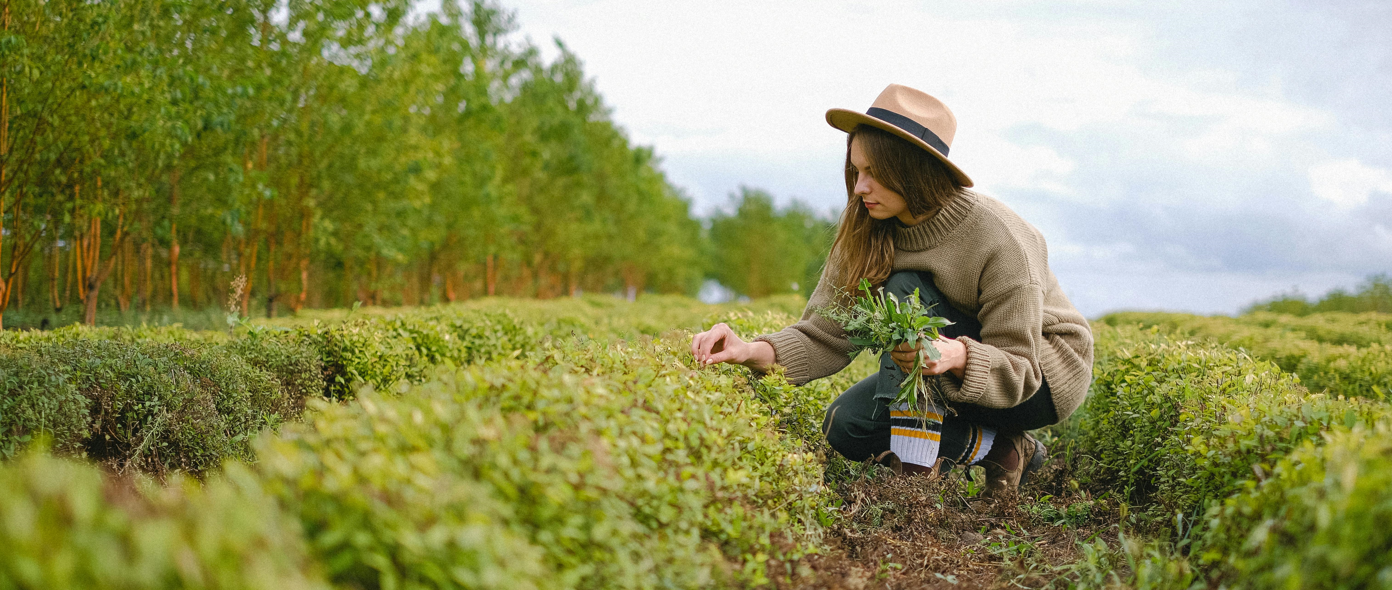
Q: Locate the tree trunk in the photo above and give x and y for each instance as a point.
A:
(123, 297)
(303, 251)
(174, 239)
(4, 161)
(248, 248)
(450, 294)
(376, 291)
(490, 274)
(54, 274)
(271, 279)
(147, 253)
(97, 271)
(23, 288)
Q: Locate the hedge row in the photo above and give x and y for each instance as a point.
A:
(1176, 425)
(64, 525)
(1351, 356)
(1217, 449)
(583, 464)
(1321, 519)
(161, 399)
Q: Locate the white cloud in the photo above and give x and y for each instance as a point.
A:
(1003, 165)
(1348, 183)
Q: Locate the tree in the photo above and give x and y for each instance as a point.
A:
(761, 250)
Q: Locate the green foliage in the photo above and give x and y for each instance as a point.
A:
(1321, 519)
(65, 526)
(38, 400)
(602, 465)
(1344, 354)
(394, 160)
(297, 370)
(879, 323)
(762, 249)
(1374, 295)
(403, 348)
(1178, 425)
(157, 407)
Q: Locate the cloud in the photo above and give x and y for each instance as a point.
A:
(1348, 183)
(1179, 154)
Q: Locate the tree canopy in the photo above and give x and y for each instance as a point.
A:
(330, 152)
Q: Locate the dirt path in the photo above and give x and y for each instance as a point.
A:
(906, 532)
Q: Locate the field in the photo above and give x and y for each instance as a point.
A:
(573, 443)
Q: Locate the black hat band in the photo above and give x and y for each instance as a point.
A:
(910, 126)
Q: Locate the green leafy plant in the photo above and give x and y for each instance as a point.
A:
(879, 321)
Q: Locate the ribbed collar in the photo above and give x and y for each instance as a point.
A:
(935, 229)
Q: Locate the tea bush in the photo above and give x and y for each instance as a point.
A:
(38, 399)
(1321, 519)
(591, 465)
(1346, 354)
(380, 352)
(297, 370)
(158, 407)
(62, 525)
(1178, 425)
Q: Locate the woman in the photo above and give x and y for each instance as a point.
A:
(1018, 355)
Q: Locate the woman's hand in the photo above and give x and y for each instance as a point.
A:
(954, 357)
(720, 344)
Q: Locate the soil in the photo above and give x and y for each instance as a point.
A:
(906, 532)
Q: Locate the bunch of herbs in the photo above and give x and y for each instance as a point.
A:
(878, 321)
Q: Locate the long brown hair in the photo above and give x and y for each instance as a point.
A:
(864, 246)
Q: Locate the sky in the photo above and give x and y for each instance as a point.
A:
(1181, 155)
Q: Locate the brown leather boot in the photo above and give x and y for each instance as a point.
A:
(1012, 459)
(890, 460)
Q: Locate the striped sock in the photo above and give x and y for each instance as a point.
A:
(915, 436)
(979, 441)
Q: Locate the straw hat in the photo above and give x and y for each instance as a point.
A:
(911, 114)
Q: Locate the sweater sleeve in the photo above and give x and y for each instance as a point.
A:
(1004, 368)
(814, 347)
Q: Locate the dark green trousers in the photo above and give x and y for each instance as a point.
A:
(857, 423)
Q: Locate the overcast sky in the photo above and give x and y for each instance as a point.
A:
(1183, 155)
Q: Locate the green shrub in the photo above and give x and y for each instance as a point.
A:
(63, 526)
(598, 466)
(297, 372)
(358, 353)
(1321, 519)
(1178, 425)
(1334, 363)
(38, 399)
(19, 339)
(1354, 329)
(157, 407)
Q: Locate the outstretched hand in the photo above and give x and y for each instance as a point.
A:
(720, 344)
(953, 358)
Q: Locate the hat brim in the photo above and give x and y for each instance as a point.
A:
(846, 120)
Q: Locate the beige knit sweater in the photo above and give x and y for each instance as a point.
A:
(989, 262)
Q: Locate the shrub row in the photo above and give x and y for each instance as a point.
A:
(149, 406)
(159, 399)
(1177, 426)
(1321, 519)
(1227, 455)
(63, 525)
(1345, 356)
(584, 464)
(1356, 329)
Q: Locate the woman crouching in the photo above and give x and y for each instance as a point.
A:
(1018, 355)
